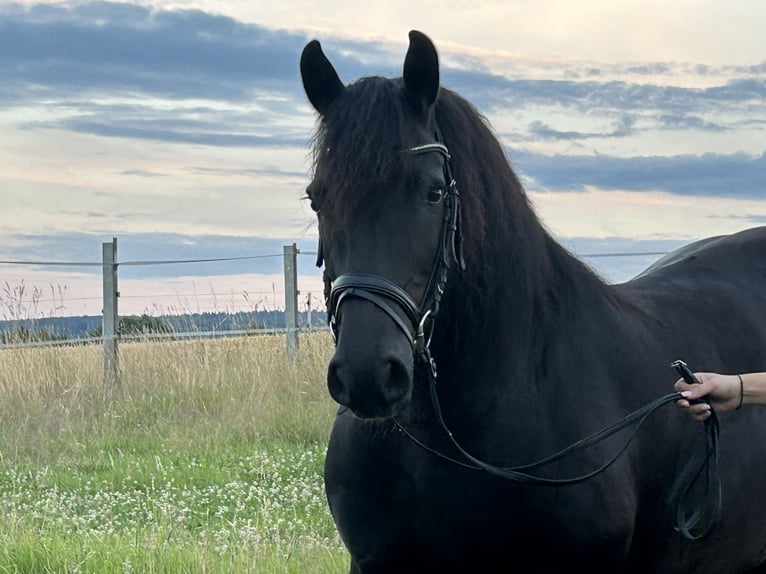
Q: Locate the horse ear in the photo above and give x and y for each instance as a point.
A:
(320, 80)
(421, 72)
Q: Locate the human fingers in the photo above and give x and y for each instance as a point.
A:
(700, 411)
(684, 403)
(681, 385)
(690, 392)
(702, 415)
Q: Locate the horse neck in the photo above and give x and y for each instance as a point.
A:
(496, 352)
(524, 290)
(520, 288)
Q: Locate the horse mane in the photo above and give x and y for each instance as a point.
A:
(500, 220)
(358, 144)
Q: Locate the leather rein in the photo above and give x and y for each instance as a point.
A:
(418, 328)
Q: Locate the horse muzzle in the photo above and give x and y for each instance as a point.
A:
(372, 389)
(371, 371)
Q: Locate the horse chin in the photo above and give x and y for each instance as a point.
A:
(381, 413)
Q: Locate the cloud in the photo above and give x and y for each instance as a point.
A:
(174, 131)
(125, 70)
(688, 122)
(541, 130)
(736, 175)
(266, 171)
(495, 89)
(125, 48)
(625, 126)
(652, 69)
(113, 48)
(140, 173)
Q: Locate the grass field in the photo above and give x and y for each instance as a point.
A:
(207, 457)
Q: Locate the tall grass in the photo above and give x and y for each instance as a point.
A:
(205, 457)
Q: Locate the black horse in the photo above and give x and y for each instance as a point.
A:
(459, 290)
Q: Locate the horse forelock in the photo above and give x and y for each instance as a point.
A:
(357, 147)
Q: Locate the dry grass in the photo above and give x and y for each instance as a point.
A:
(182, 391)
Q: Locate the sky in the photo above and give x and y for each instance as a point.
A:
(181, 128)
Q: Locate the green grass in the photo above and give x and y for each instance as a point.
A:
(207, 457)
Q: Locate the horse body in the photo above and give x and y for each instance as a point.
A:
(533, 352)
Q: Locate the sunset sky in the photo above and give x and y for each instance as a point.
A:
(182, 129)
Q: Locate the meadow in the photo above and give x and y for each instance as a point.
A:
(206, 457)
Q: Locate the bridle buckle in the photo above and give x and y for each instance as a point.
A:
(421, 341)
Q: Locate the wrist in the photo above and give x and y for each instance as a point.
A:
(741, 393)
(754, 388)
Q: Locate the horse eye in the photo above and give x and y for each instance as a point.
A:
(435, 194)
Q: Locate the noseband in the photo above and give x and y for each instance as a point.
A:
(418, 322)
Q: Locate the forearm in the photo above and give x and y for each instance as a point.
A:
(754, 388)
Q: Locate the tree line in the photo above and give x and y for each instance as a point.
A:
(61, 328)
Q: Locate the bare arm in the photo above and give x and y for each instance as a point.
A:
(725, 392)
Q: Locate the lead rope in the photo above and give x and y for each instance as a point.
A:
(685, 519)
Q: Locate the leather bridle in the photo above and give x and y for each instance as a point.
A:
(415, 320)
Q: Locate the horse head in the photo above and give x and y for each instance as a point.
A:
(388, 214)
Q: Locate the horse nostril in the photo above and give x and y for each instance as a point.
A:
(397, 382)
(339, 391)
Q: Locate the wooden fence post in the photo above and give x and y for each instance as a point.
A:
(291, 299)
(309, 318)
(110, 318)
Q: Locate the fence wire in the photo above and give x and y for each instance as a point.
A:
(202, 333)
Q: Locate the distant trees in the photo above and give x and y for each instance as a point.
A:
(137, 325)
(16, 332)
(89, 327)
(24, 334)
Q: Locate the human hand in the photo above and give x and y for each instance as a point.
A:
(724, 393)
